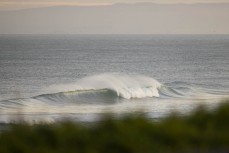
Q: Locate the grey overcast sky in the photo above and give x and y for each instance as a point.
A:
(138, 18)
(21, 4)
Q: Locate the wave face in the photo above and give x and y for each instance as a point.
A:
(110, 92)
(92, 96)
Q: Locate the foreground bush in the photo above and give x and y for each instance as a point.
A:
(203, 131)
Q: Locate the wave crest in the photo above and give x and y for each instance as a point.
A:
(126, 86)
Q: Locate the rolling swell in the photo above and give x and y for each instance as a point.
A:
(113, 88)
(182, 90)
(110, 96)
(118, 92)
(87, 98)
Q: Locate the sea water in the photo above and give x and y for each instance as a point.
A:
(79, 77)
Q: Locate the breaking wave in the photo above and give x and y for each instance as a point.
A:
(113, 92)
(112, 88)
(125, 86)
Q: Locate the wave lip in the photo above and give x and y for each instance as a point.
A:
(142, 92)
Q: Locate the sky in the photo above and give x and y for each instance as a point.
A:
(23, 4)
(209, 17)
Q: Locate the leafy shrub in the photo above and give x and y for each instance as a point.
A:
(203, 131)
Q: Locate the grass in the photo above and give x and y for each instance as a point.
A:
(202, 131)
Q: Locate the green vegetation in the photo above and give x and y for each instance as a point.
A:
(202, 131)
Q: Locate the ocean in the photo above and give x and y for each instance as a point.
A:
(49, 78)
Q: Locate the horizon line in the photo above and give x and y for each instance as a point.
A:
(111, 4)
(104, 34)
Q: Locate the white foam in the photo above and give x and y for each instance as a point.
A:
(126, 86)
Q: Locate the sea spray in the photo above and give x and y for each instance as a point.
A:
(126, 86)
